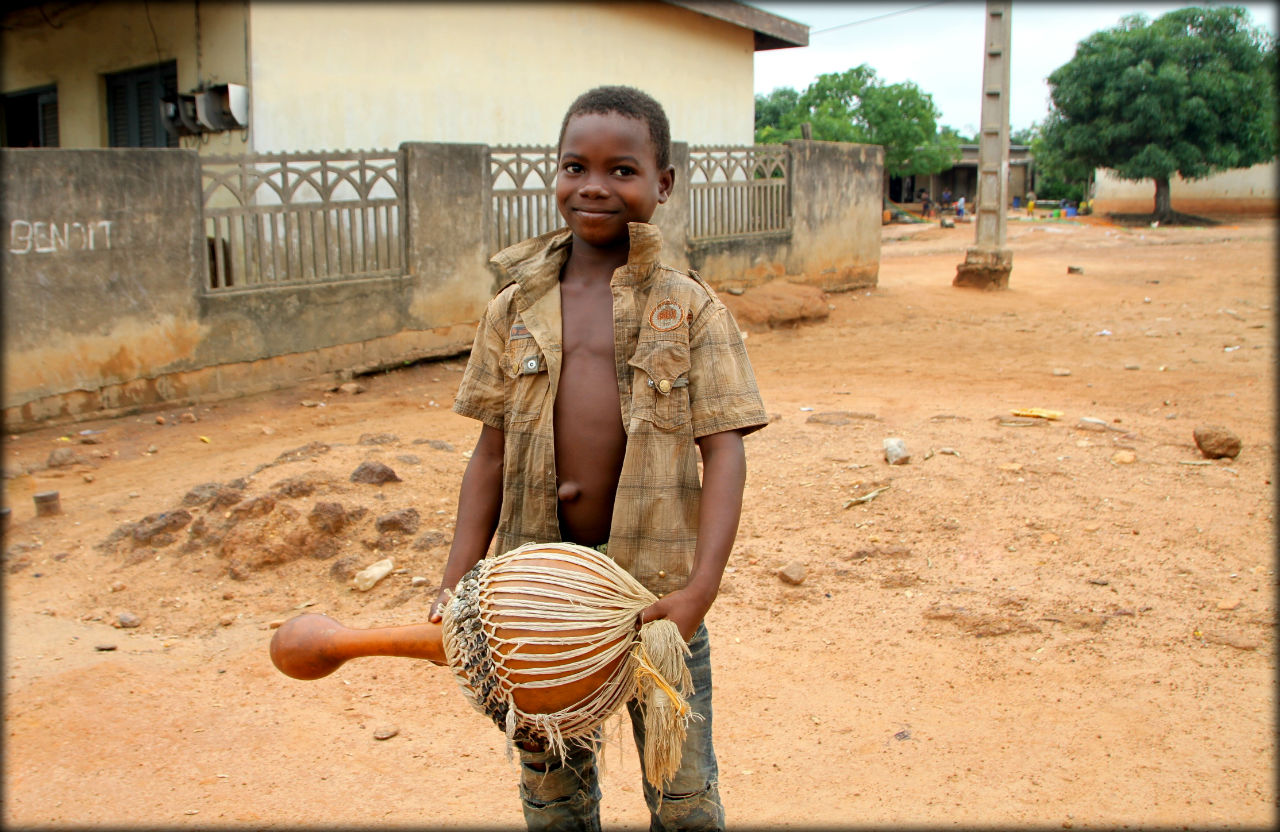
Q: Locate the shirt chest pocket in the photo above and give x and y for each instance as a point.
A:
(660, 382)
(527, 381)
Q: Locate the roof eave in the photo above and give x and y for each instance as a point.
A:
(771, 31)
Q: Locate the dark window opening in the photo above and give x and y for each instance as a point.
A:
(133, 106)
(30, 118)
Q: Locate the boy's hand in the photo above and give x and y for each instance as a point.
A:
(684, 608)
(435, 616)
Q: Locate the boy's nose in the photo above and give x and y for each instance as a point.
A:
(593, 190)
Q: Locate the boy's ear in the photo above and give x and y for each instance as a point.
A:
(666, 181)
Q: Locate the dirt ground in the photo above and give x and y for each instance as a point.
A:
(1040, 622)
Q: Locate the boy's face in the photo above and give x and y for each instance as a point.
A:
(608, 177)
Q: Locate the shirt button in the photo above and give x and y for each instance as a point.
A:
(664, 386)
(662, 573)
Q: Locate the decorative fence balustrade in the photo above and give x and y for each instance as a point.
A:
(522, 181)
(303, 218)
(734, 192)
(738, 191)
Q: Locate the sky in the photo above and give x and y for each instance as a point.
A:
(939, 46)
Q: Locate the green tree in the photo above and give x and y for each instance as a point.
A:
(1192, 93)
(776, 114)
(856, 106)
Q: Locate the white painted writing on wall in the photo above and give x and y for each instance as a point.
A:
(51, 237)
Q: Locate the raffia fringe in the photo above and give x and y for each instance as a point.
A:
(663, 687)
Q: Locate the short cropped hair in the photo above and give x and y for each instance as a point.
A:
(630, 102)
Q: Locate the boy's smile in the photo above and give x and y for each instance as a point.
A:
(608, 177)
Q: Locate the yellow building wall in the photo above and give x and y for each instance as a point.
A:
(1241, 191)
(95, 40)
(335, 76)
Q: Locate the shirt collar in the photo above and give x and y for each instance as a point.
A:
(535, 263)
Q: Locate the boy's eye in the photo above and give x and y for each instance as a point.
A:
(572, 167)
(623, 170)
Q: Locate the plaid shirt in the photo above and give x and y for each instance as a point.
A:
(682, 373)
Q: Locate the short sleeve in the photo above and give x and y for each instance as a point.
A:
(480, 395)
(722, 386)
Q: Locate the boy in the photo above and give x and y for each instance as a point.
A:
(596, 371)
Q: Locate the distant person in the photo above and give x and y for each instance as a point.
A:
(960, 207)
(926, 203)
(1031, 203)
(946, 199)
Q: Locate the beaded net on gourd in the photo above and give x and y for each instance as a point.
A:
(582, 607)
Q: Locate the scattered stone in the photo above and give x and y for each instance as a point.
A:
(409, 459)
(419, 580)
(228, 595)
(437, 444)
(404, 521)
(275, 623)
(351, 388)
(1124, 457)
(226, 620)
(386, 732)
(839, 417)
(1075, 269)
(104, 648)
(255, 507)
(430, 540)
(374, 473)
(267, 430)
(310, 403)
(735, 290)
(1216, 442)
(1011, 467)
(303, 485)
(188, 417)
(1236, 640)
(154, 528)
(160, 420)
(88, 478)
(1061, 371)
(378, 439)
(343, 569)
(62, 457)
(1099, 582)
(327, 518)
(118, 586)
(949, 451)
(152, 449)
(793, 573)
(895, 451)
(311, 450)
(1229, 605)
(126, 620)
(1090, 423)
(90, 439)
(367, 578)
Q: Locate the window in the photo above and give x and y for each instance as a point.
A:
(30, 118)
(133, 106)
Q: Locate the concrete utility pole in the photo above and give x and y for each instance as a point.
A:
(988, 263)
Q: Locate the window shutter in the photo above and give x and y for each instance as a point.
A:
(48, 115)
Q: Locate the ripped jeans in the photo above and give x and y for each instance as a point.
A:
(564, 793)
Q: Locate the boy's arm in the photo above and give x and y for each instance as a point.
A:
(724, 473)
(479, 504)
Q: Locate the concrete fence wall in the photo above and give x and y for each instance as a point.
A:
(105, 271)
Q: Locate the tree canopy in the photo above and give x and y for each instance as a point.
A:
(1192, 93)
(856, 106)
